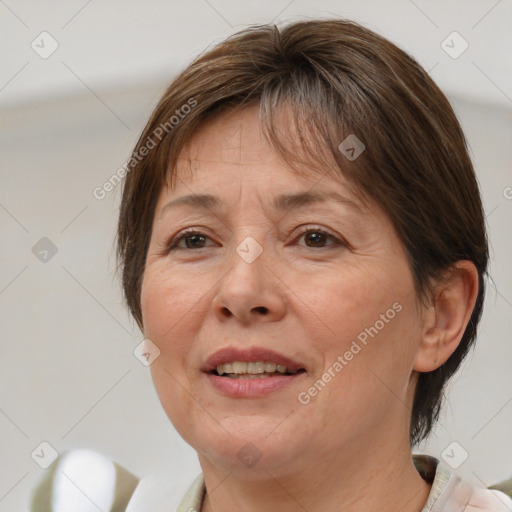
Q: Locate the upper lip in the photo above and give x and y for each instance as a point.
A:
(250, 354)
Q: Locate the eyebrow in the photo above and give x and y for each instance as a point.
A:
(283, 202)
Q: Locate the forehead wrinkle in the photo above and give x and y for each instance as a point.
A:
(231, 147)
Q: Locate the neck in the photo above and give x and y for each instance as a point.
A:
(359, 480)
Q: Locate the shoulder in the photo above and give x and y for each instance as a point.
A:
(450, 493)
(489, 499)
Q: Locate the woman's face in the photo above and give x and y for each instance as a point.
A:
(321, 286)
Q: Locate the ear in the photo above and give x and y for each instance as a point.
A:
(446, 318)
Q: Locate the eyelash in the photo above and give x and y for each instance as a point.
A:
(173, 244)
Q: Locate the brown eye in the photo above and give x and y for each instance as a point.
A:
(315, 238)
(194, 241)
(191, 239)
(318, 238)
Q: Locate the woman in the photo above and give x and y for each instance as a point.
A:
(303, 246)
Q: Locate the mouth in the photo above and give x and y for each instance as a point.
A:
(253, 370)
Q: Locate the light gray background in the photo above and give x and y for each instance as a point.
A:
(68, 374)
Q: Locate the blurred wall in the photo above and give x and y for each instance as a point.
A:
(78, 80)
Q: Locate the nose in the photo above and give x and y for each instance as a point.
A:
(250, 291)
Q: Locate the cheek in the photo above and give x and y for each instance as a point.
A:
(167, 302)
(369, 315)
(367, 356)
(352, 300)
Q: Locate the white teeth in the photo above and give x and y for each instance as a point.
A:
(239, 367)
(253, 369)
(258, 367)
(270, 367)
(250, 376)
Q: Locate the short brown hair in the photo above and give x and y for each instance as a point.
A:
(337, 78)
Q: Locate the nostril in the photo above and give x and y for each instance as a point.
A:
(261, 309)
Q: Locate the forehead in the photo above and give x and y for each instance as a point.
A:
(231, 149)
(228, 169)
(230, 138)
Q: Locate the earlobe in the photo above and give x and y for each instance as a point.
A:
(446, 318)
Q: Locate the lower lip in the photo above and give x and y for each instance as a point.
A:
(248, 388)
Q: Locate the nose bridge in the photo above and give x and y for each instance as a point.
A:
(250, 250)
(249, 289)
(250, 228)
(247, 265)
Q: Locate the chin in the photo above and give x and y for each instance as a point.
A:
(247, 447)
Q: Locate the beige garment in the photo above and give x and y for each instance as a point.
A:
(448, 493)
